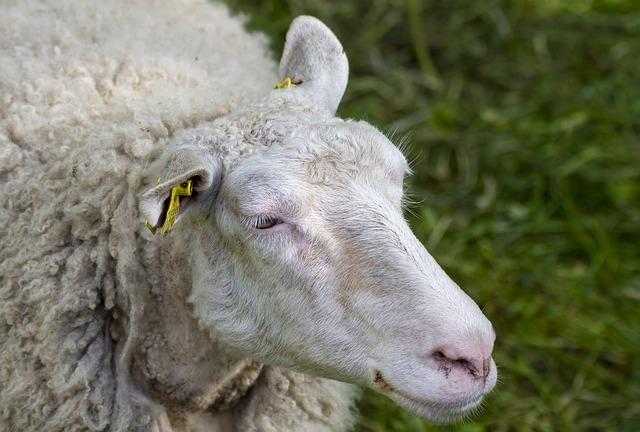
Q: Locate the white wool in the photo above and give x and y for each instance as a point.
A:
(90, 92)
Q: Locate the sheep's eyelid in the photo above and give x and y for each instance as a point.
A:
(252, 222)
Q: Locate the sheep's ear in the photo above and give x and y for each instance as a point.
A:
(315, 61)
(190, 175)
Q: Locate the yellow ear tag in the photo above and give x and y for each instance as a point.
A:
(150, 227)
(174, 205)
(183, 189)
(287, 83)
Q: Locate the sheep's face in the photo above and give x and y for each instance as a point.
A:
(318, 271)
(302, 258)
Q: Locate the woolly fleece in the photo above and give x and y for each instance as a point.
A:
(90, 92)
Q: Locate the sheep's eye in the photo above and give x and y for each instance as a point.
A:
(266, 221)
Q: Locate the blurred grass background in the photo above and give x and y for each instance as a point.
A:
(524, 122)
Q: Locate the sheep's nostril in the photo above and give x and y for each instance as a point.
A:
(448, 358)
(468, 367)
(439, 355)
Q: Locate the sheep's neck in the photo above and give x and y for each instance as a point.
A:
(174, 360)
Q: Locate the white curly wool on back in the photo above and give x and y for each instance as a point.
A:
(89, 93)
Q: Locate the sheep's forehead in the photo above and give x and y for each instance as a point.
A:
(312, 161)
(343, 151)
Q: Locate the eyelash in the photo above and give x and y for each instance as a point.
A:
(263, 221)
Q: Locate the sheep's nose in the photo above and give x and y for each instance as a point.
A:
(473, 355)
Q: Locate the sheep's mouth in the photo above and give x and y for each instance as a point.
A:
(432, 411)
(380, 383)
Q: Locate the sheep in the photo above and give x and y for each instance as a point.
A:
(186, 248)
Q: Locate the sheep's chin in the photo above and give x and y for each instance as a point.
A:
(437, 413)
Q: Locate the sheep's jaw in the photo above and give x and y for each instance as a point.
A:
(434, 412)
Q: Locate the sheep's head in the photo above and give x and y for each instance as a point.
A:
(301, 256)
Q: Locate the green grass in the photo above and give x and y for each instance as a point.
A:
(524, 123)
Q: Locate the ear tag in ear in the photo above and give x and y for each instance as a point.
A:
(287, 83)
(183, 189)
(150, 227)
